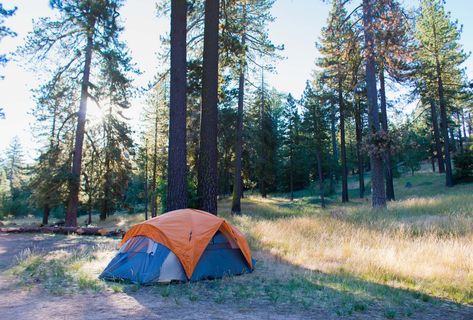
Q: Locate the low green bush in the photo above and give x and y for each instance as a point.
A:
(464, 166)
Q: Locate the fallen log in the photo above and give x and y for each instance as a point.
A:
(85, 231)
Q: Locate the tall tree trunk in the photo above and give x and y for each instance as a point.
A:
(432, 157)
(227, 174)
(262, 155)
(104, 211)
(73, 202)
(291, 173)
(155, 168)
(333, 132)
(321, 177)
(51, 162)
(237, 184)
(460, 138)
(359, 153)
(343, 151)
(453, 142)
(207, 173)
(443, 118)
(377, 177)
(91, 190)
(177, 154)
(388, 171)
(438, 144)
(446, 141)
(146, 179)
(46, 211)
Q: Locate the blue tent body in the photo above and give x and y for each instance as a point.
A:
(142, 260)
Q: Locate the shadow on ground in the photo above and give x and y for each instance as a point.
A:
(275, 290)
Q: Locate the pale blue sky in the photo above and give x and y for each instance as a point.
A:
(297, 26)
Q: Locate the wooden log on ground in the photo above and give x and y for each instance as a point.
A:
(85, 231)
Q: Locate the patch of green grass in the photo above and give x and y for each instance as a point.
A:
(117, 288)
(390, 314)
(87, 283)
(59, 271)
(32, 268)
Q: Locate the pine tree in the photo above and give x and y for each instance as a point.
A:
(378, 193)
(291, 138)
(4, 32)
(80, 30)
(92, 172)
(117, 149)
(261, 127)
(14, 163)
(155, 136)
(334, 47)
(316, 129)
(54, 128)
(439, 55)
(360, 111)
(16, 175)
(394, 48)
(245, 35)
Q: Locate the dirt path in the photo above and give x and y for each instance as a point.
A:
(34, 303)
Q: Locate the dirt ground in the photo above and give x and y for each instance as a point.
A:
(34, 303)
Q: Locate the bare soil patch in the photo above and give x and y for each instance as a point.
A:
(33, 302)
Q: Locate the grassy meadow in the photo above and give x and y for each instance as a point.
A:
(347, 258)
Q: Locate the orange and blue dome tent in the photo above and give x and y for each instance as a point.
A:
(181, 245)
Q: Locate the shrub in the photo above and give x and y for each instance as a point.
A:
(464, 166)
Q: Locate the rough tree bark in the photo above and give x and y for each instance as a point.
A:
(443, 118)
(47, 207)
(333, 134)
(155, 168)
(432, 158)
(388, 171)
(438, 144)
(106, 207)
(444, 125)
(359, 153)
(237, 184)
(291, 172)
(177, 154)
(146, 179)
(46, 211)
(262, 155)
(207, 170)
(378, 198)
(343, 150)
(321, 177)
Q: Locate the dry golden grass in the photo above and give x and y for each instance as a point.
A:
(419, 242)
(422, 242)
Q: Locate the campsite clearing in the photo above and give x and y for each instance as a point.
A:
(413, 260)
